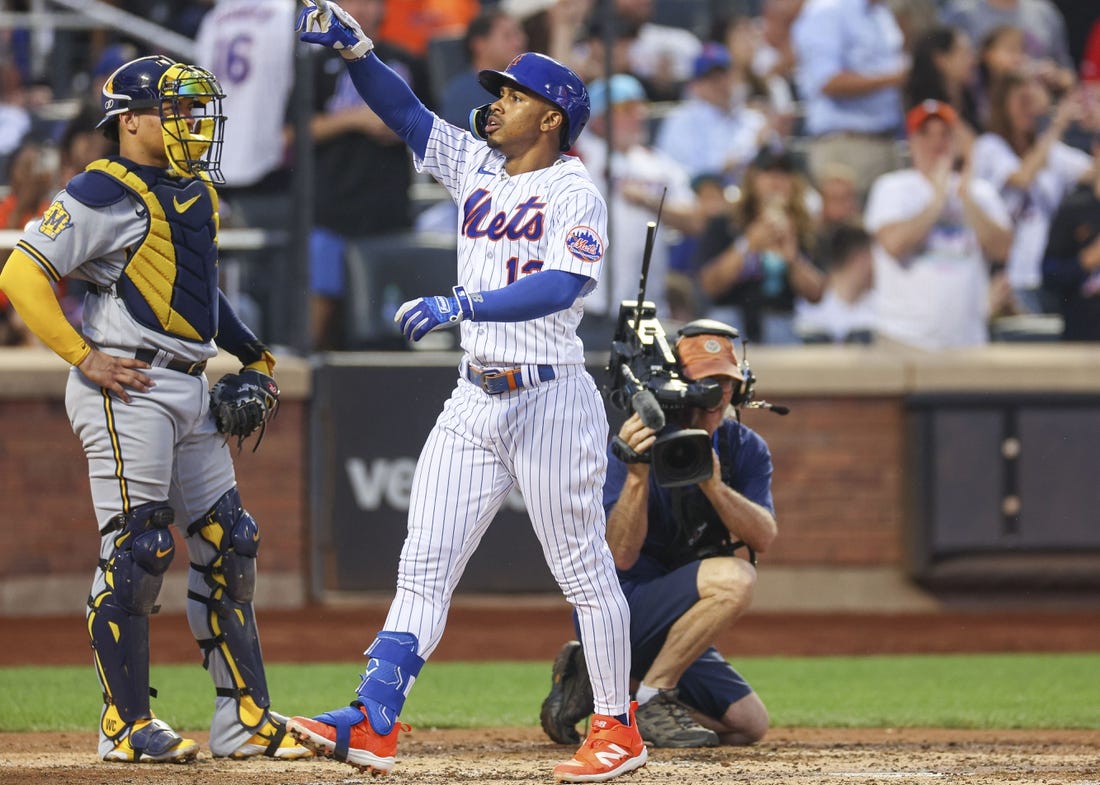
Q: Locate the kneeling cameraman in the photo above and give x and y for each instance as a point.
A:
(686, 561)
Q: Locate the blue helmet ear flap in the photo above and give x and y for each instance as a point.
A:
(478, 117)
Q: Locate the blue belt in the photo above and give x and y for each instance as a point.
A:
(501, 380)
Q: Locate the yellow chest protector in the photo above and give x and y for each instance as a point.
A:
(170, 282)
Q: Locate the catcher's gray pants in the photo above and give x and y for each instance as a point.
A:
(161, 446)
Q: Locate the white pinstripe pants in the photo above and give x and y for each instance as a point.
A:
(549, 441)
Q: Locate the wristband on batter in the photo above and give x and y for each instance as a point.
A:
(465, 304)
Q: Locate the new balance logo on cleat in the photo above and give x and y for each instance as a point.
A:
(614, 753)
(610, 750)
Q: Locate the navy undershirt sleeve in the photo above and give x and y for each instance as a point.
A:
(530, 297)
(393, 101)
(234, 335)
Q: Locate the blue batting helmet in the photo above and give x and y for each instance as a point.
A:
(547, 78)
(189, 100)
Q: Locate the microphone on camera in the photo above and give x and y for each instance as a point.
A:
(645, 404)
(772, 407)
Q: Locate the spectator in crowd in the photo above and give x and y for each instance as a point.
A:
(845, 313)
(31, 176)
(183, 16)
(591, 56)
(660, 55)
(851, 66)
(556, 28)
(915, 18)
(1033, 169)
(1003, 54)
(1086, 126)
(352, 147)
(1040, 21)
(249, 47)
(770, 95)
(712, 201)
(755, 260)
(410, 24)
(493, 38)
(944, 70)
(934, 231)
(1071, 267)
(708, 132)
(635, 181)
(774, 55)
(81, 143)
(258, 80)
(15, 119)
(839, 198)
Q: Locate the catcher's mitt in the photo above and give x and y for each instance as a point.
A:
(242, 402)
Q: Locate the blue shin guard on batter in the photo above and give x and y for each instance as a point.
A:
(393, 666)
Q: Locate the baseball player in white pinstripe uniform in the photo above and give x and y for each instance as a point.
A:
(524, 413)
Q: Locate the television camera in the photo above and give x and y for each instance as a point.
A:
(645, 377)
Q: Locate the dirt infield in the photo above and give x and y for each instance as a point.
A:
(789, 756)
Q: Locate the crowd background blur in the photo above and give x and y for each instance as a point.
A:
(766, 125)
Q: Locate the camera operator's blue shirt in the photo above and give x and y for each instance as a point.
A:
(751, 477)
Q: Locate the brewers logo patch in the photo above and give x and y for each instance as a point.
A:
(584, 243)
(55, 221)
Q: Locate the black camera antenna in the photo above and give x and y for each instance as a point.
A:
(650, 236)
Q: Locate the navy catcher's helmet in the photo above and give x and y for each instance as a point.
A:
(189, 100)
(547, 78)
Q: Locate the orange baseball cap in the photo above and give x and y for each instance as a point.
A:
(708, 355)
(922, 112)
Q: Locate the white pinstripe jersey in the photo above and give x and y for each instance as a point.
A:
(508, 227)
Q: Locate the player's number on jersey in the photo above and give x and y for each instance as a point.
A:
(515, 270)
(236, 62)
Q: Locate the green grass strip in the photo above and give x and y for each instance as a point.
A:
(949, 691)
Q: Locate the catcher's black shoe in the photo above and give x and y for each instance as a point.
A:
(570, 699)
(664, 721)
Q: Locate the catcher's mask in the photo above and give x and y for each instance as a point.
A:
(190, 102)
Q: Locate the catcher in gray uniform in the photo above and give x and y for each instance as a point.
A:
(141, 228)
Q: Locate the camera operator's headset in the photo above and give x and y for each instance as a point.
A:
(743, 394)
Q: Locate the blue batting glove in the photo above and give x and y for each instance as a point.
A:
(323, 22)
(423, 315)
